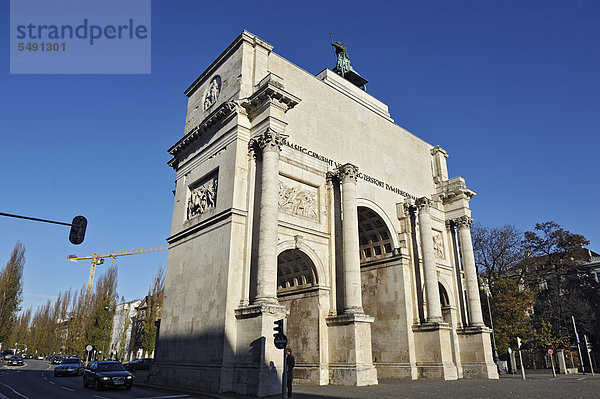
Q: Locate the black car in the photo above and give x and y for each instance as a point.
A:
(56, 360)
(139, 364)
(15, 361)
(69, 366)
(105, 374)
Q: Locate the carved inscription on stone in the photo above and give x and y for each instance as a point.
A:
(203, 197)
(438, 244)
(212, 93)
(298, 199)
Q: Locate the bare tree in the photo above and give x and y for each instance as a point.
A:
(497, 250)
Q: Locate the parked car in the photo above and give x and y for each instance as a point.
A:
(56, 360)
(15, 361)
(40, 357)
(69, 366)
(107, 374)
(139, 364)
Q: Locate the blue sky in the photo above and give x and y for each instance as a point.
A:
(511, 89)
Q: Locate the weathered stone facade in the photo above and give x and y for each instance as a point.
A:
(298, 197)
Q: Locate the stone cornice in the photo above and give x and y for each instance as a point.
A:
(269, 92)
(257, 310)
(453, 189)
(214, 119)
(345, 319)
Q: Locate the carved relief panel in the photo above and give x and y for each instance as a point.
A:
(298, 199)
(203, 196)
(438, 244)
(212, 92)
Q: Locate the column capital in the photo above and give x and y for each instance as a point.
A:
(269, 140)
(423, 204)
(330, 177)
(347, 173)
(463, 221)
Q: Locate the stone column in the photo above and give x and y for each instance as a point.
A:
(466, 249)
(352, 288)
(434, 309)
(267, 146)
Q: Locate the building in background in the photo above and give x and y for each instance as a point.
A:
(123, 322)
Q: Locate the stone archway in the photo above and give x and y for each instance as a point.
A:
(298, 290)
(375, 238)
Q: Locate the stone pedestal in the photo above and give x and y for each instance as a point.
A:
(476, 353)
(259, 366)
(433, 344)
(351, 360)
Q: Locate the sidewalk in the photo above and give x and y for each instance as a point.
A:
(538, 384)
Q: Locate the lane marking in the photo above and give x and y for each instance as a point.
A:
(165, 397)
(23, 396)
(52, 382)
(100, 397)
(68, 389)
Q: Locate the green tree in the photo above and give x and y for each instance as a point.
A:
(11, 292)
(553, 254)
(153, 311)
(102, 311)
(510, 308)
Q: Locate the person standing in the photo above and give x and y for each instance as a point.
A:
(290, 362)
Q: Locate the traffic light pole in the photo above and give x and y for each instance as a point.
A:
(78, 225)
(284, 392)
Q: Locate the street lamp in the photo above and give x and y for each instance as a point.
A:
(486, 288)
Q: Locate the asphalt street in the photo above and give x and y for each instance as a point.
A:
(35, 380)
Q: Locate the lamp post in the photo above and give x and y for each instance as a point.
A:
(486, 288)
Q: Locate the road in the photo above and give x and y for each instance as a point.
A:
(35, 379)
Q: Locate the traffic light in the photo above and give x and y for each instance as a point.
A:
(278, 328)
(519, 342)
(78, 227)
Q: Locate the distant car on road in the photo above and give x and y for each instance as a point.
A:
(15, 361)
(69, 366)
(139, 364)
(56, 360)
(107, 374)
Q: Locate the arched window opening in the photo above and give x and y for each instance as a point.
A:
(295, 271)
(374, 237)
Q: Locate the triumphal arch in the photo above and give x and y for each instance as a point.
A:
(285, 209)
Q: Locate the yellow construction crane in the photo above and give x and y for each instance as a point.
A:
(98, 259)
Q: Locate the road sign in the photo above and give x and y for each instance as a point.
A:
(550, 351)
(509, 350)
(280, 341)
(88, 348)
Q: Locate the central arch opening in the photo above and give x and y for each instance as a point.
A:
(297, 290)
